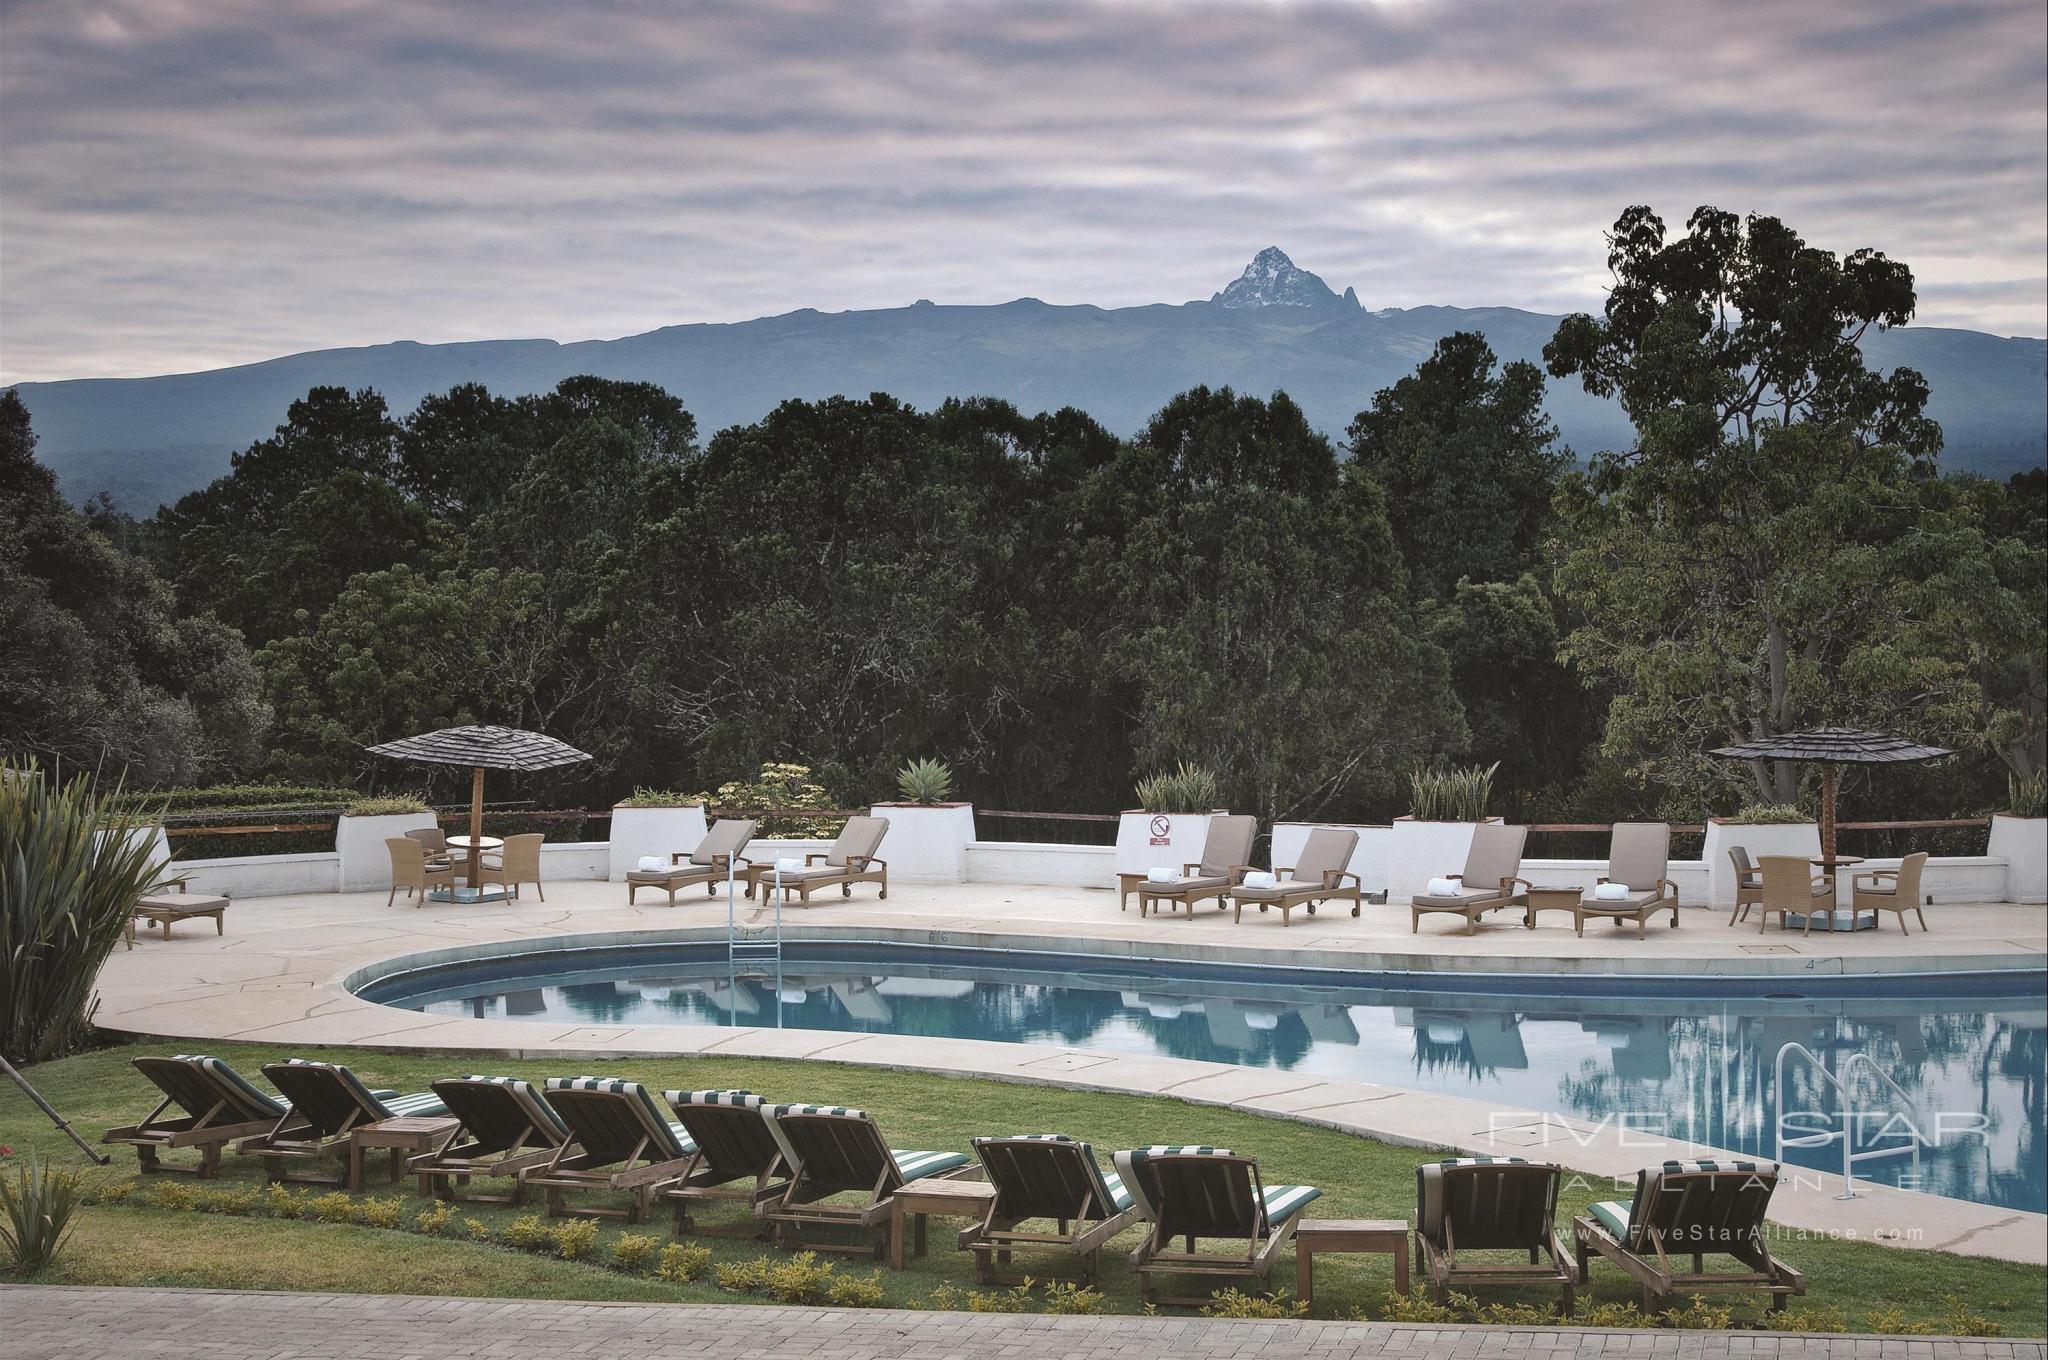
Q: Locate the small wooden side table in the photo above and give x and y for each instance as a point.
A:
(952, 1199)
(410, 1134)
(1552, 899)
(1348, 1236)
(1124, 883)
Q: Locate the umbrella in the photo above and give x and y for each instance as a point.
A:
(482, 748)
(1829, 747)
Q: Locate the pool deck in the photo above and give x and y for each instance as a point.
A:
(277, 976)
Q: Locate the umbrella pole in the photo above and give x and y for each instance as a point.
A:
(476, 825)
(1827, 814)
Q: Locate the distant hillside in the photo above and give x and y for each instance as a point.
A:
(147, 440)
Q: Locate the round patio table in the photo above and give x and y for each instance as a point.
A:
(1832, 865)
(474, 848)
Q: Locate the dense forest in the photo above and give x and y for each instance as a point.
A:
(849, 583)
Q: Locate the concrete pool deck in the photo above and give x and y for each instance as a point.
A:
(277, 976)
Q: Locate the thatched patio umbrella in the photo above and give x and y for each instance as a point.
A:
(1831, 747)
(482, 748)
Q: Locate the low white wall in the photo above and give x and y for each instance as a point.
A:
(1054, 866)
(926, 844)
(574, 859)
(2022, 842)
(364, 859)
(263, 875)
(1796, 838)
(1156, 840)
(1369, 860)
(659, 831)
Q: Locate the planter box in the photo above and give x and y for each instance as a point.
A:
(1149, 840)
(1795, 838)
(160, 851)
(1425, 850)
(1370, 860)
(359, 847)
(926, 843)
(662, 831)
(2022, 842)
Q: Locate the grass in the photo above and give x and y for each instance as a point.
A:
(137, 1243)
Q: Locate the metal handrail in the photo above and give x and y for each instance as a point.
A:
(1851, 1113)
(739, 949)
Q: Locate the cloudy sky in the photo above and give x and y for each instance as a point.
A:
(191, 183)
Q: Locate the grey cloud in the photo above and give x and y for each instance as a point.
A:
(188, 183)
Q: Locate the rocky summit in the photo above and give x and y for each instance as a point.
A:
(1273, 280)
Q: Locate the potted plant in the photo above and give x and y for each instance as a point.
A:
(1170, 825)
(656, 822)
(1434, 838)
(362, 829)
(1761, 829)
(2019, 836)
(928, 834)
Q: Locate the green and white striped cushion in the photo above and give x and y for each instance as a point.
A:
(913, 1165)
(1284, 1201)
(743, 1099)
(676, 1142)
(226, 1075)
(1429, 1190)
(1109, 1187)
(530, 1099)
(1612, 1215)
(421, 1105)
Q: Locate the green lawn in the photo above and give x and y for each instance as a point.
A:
(135, 1242)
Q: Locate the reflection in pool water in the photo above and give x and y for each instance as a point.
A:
(1691, 1067)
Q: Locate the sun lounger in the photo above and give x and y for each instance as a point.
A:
(1489, 1204)
(737, 1159)
(831, 1150)
(1691, 1209)
(618, 1141)
(1189, 1193)
(1046, 1176)
(1226, 858)
(506, 1126)
(714, 857)
(328, 1105)
(851, 860)
(1317, 876)
(1639, 859)
(1491, 878)
(217, 1104)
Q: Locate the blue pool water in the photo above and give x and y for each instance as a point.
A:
(1688, 1058)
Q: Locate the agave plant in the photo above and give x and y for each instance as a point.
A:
(1451, 795)
(36, 1207)
(72, 864)
(1186, 788)
(925, 781)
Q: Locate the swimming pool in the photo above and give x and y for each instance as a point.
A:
(1690, 1058)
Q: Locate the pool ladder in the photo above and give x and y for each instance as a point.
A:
(1852, 1115)
(752, 947)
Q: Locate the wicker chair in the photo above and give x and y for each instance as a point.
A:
(1789, 885)
(412, 871)
(1749, 884)
(1892, 890)
(516, 863)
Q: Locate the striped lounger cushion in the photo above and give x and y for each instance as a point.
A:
(220, 1071)
(673, 1139)
(1109, 1186)
(1280, 1202)
(1616, 1217)
(421, 1105)
(1429, 1190)
(530, 1100)
(909, 1164)
(746, 1100)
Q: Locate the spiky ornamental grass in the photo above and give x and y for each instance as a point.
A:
(72, 863)
(1451, 795)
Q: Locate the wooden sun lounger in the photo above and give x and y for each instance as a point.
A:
(618, 1141)
(1039, 1177)
(1691, 1209)
(1317, 876)
(737, 1160)
(329, 1106)
(1226, 859)
(219, 1105)
(1491, 1204)
(1189, 1192)
(715, 857)
(851, 860)
(831, 1150)
(506, 1126)
(1491, 879)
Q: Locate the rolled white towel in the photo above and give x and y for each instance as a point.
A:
(1445, 887)
(1611, 892)
(652, 864)
(789, 865)
(1160, 873)
(1259, 878)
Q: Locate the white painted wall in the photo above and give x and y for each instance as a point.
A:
(363, 860)
(1370, 860)
(926, 844)
(1185, 835)
(1422, 851)
(1800, 838)
(566, 860)
(2022, 842)
(265, 875)
(1056, 866)
(661, 831)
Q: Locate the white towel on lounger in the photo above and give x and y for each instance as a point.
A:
(1611, 892)
(652, 864)
(786, 865)
(1160, 873)
(1259, 878)
(1445, 887)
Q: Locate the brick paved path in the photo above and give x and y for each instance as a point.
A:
(43, 1323)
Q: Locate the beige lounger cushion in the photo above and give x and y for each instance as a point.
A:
(1183, 884)
(1468, 895)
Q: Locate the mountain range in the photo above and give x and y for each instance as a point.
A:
(1276, 327)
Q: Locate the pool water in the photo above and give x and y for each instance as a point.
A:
(1686, 1058)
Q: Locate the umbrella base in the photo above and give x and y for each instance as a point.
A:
(469, 895)
(1842, 922)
